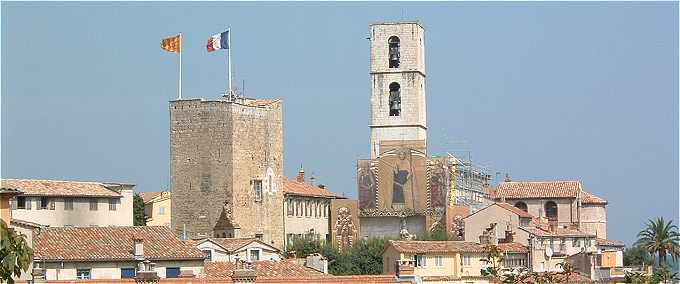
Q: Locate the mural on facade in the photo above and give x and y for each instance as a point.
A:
(367, 185)
(399, 181)
(345, 229)
(438, 182)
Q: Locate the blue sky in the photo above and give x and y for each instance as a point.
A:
(543, 91)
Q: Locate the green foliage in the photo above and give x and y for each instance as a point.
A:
(15, 253)
(636, 277)
(435, 235)
(494, 257)
(660, 238)
(664, 274)
(365, 257)
(637, 255)
(138, 211)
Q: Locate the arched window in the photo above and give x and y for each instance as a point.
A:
(394, 51)
(551, 210)
(395, 99)
(521, 205)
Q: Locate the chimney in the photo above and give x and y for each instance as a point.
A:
(243, 273)
(507, 178)
(405, 268)
(321, 186)
(301, 175)
(509, 235)
(317, 262)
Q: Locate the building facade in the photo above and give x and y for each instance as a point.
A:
(563, 203)
(226, 168)
(306, 209)
(71, 203)
(234, 249)
(157, 208)
(113, 253)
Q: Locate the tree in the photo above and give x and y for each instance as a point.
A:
(305, 245)
(138, 211)
(663, 274)
(364, 257)
(637, 255)
(15, 253)
(660, 238)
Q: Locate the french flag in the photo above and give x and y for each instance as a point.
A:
(218, 41)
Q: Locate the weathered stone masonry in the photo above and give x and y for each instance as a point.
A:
(219, 150)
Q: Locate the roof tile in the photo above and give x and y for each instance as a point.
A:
(265, 268)
(59, 188)
(110, 243)
(543, 189)
(306, 189)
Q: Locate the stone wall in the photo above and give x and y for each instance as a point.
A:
(220, 150)
(594, 220)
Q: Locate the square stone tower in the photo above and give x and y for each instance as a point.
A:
(226, 161)
(397, 72)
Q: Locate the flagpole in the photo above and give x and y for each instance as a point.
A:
(180, 66)
(229, 58)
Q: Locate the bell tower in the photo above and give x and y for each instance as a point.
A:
(397, 74)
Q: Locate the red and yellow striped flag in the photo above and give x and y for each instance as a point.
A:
(172, 44)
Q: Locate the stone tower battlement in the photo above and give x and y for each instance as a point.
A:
(397, 72)
(226, 161)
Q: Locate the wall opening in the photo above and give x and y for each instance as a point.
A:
(394, 52)
(395, 99)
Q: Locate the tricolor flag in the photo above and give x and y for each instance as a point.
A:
(172, 44)
(218, 41)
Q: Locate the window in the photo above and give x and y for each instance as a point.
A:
(68, 204)
(394, 51)
(551, 210)
(467, 260)
(420, 260)
(205, 182)
(208, 254)
(112, 204)
(44, 202)
(94, 204)
(290, 208)
(395, 99)
(254, 255)
(127, 272)
(171, 272)
(161, 210)
(438, 260)
(83, 273)
(257, 185)
(521, 205)
(22, 204)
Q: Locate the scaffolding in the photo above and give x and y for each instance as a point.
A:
(470, 183)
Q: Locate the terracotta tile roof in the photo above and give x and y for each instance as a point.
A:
(10, 191)
(265, 268)
(558, 232)
(148, 195)
(59, 188)
(515, 210)
(542, 189)
(435, 246)
(589, 198)
(305, 189)
(110, 243)
(233, 244)
(609, 243)
(513, 247)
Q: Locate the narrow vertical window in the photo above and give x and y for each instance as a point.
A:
(257, 185)
(395, 99)
(112, 204)
(68, 203)
(94, 204)
(394, 51)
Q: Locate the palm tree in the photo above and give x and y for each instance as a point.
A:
(661, 238)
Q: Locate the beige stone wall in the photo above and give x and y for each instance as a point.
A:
(218, 254)
(410, 75)
(594, 220)
(111, 270)
(303, 214)
(566, 208)
(81, 215)
(5, 212)
(218, 150)
(476, 223)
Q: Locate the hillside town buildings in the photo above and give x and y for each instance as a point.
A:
(230, 214)
(71, 203)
